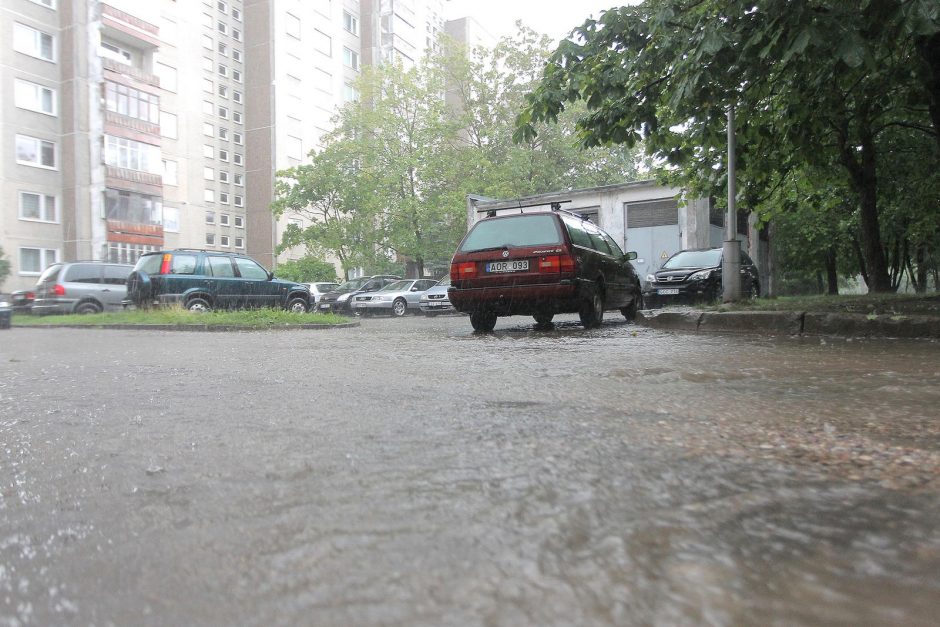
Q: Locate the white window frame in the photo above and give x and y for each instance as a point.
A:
(236, 14)
(170, 173)
(44, 261)
(237, 117)
(351, 59)
(353, 20)
(208, 174)
(223, 198)
(237, 96)
(236, 55)
(224, 241)
(210, 217)
(34, 49)
(239, 242)
(223, 155)
(39, 145)
(208, 195)
(208, 151)
(210, 239)
(238, 159)
(239, 179)
(236, 34)
(44, 200)
(223, 176)
(23, 88)
(239, 222)
(239, 201)
(237, 76)
(238, 139)
(223, 219)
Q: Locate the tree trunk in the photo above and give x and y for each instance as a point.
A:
(820, 289)
(832, 275)
(920, 284)
(862, 268)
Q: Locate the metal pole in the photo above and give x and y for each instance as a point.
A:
(731, 251)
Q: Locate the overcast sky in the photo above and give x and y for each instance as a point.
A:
(555, 18)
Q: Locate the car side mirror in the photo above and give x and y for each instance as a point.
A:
(270, 276)
(630, 256)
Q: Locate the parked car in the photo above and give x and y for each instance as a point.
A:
(435, 300)
(695, 275)
(83, 287)
(6, 314)
(317, 290)
(340, 300)
(201, 280)
(21, 301)
(540, 264)
(396, 298)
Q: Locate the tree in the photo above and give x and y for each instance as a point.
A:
(4, 267)
(815, 84)
(306, 270)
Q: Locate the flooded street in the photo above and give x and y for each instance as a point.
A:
(410, 472)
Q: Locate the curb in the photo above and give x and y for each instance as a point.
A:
(793, 323)
(191, 327)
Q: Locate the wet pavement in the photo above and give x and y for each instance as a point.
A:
(410, 472)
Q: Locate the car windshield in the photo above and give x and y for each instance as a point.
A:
(353, 284)
(397, 286)
(326, 287)
(522, 230)
(694, 259)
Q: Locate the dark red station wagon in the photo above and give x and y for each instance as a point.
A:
(540, 264)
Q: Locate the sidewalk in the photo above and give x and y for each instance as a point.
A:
(792, 323)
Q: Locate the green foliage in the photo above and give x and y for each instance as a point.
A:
(306, 270)
(818, 86)
(4, 267)
(389, 188)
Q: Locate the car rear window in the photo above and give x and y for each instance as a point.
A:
(513, 231)
(50, 274)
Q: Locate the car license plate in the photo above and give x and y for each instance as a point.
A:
(516, 265)
(668, 292)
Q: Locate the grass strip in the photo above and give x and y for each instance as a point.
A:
(177, 316)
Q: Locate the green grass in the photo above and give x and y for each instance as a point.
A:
(177, 316)
(875, 304)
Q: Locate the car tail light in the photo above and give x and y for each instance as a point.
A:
(58, 290)
(556, 263)
(464, 270)
(30, 296)
(165, 266)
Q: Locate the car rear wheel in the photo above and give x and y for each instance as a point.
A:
(88, 308)
(543, 319)
(483, 321)
(297, 305)
(198, 305)
(399, 307)
(629, 312)
(754, 291)
(592, 310)
(139, 288)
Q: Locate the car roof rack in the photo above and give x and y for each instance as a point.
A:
(554, 204)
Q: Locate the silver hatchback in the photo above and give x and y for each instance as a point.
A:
(81, 287)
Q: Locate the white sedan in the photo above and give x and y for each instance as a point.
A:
(396, 298)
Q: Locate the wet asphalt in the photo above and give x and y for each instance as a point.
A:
(411, 472)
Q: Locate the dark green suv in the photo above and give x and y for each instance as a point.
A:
(201, 280)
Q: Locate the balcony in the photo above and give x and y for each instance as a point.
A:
(143, 34)
(137, 127)
(129, 70)
(134, 180)
(133, 233)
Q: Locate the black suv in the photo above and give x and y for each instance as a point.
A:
(201, 280)
(540, 264)
(695, 275)
(340, 300)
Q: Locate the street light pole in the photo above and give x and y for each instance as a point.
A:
(731, 251)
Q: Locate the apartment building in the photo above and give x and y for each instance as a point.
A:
(130, 126)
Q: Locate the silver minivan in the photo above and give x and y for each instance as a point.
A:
(81, 287)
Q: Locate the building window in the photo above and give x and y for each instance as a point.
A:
(223, 91)
(239, 242)
(292, 25)
(171, 219)
(239, 222)
(350, 23)
(239, 179)
(170, 172)
(223, 155)
(239, 201)
(223, 132)
(237, 76)
(237, 138)
(132, 207)
(38, 207)
(223, 113)
(350, 93)
(168, 125)
(236, 14)
(238, 159)
(34, 97)
(131, 102)
(35, 152)
(210, 239)
(210, 217)
(33, 42)
(208, 174)
(223, 176)
(208, 195)
(237, 55)
(236, 34)
(208, 151)
(207, 64)
(223, 219)
(207, 42)
(237, 96)
(116, 53)
(208, 130)
(223, 198)
(322, 43)
(223, 240)
(208, 86)
(132, 155)
(223, 49)
(237, 117)
(221, 6)
(35, 260)
(222, 27)
(223, 70)
(350, 59)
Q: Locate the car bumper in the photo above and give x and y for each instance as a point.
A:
(53, 306)
(686, 292)
(372, 305)
(436, 306)
(333, 307)
(518, 299)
